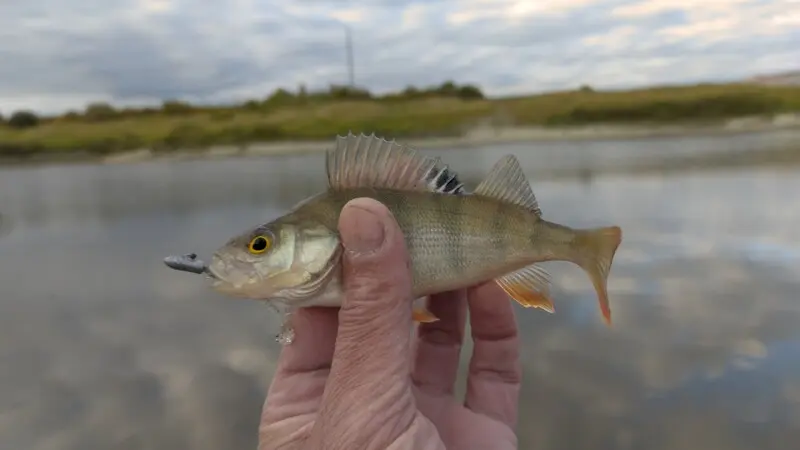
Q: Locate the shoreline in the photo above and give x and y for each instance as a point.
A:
(480, 136)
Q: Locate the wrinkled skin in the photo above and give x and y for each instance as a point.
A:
(355, 379)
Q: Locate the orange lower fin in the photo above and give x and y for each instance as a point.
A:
(529, 287)
(595, 254)
(421, 314)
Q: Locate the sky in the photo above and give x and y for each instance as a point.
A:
(61, 54)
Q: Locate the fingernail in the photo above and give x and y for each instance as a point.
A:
(364, 233)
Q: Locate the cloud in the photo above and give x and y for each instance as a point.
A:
(58, 55)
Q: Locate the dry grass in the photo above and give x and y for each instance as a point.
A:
(410, 118)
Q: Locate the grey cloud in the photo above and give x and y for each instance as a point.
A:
(134, 65)
(510, 54)
(201, 51)
(535, 31)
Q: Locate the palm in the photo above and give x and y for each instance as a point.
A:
(294, 415)
(462, 428)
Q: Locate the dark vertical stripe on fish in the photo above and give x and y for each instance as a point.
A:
(462, 240)
(449, 245)
(498, 230)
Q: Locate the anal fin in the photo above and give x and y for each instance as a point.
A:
(530, 287)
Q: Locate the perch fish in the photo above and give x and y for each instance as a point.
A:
(454, 239)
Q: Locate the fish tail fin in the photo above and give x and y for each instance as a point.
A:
(595, 249)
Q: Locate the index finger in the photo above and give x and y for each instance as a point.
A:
(495, 374)
(303, 366)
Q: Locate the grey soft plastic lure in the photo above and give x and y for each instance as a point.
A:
(186, 263)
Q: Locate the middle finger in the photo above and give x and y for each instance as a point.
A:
(438, 346)
(303, 366)
(495, 374)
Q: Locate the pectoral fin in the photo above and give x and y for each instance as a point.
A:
(530, 287)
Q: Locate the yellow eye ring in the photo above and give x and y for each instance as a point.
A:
(259, 244)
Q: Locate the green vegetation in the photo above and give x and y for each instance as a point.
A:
(446, 110)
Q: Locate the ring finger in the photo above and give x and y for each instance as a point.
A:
(438, 346)
(495, 374)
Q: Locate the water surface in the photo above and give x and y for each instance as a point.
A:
(104, 347)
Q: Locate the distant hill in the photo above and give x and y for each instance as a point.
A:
(791, 78)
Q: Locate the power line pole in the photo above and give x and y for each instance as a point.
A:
(348, 42)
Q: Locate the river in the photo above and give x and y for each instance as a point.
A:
(104, 347)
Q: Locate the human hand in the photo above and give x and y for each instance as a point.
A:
(353, 378)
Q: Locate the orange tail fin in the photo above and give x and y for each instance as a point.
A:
(595, 250)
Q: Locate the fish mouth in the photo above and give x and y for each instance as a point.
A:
(223, 273)
(216, 279)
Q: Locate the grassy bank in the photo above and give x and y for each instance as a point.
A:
(284, 116)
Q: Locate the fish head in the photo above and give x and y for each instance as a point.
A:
(284, 260)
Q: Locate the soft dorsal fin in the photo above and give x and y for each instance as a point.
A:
(529, 286)
(506, 182)
(370, 161)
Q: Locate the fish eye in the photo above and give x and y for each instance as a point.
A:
(259, 244)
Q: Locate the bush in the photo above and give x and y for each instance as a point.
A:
(23, 119)
(99, 112)
(703, 108)
(175, 107)
(71, 116)
(281, 97)
(241, 135)
(347, 93)
(223, 115)
(185, 136)
(447, 89)
(251, 105)
(468, 92)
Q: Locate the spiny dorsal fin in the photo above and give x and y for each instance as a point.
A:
(444, 181)
(529, 286)
(506, 182)
(370, 161)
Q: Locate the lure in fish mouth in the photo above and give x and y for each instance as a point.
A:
(186, 263)
(454, 239)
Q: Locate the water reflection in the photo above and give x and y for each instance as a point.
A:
(102, 346)
(80, 193)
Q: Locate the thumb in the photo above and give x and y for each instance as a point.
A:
(370, 362)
